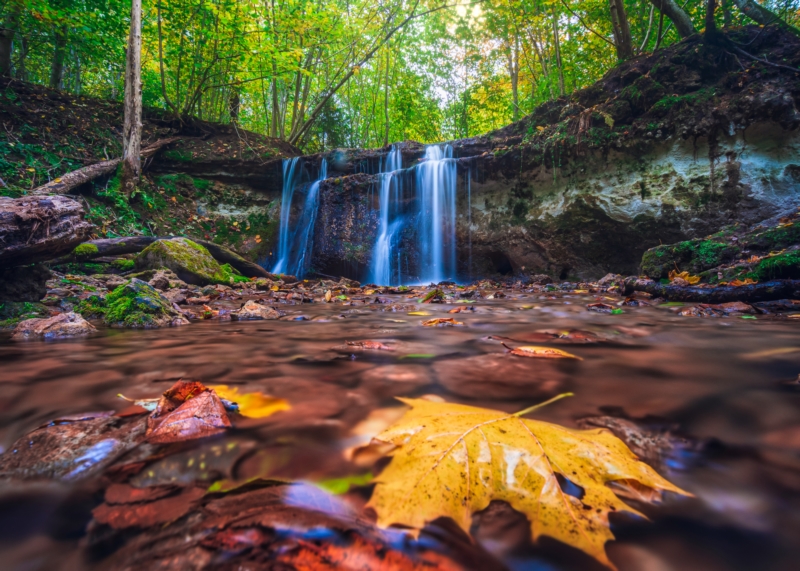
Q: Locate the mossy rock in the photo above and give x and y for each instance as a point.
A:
(93, 307)
(123, 264)
(694, 256)
(783, 266)
(137, 304)
(191, 262)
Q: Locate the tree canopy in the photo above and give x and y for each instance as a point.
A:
(357, 73)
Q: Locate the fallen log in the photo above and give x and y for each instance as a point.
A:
(766, 291)
(73, 179)
(135, 244)
(39, 228)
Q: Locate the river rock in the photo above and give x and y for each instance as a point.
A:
(254, 310)
(60, 326)
(139, 305)
(191, 262)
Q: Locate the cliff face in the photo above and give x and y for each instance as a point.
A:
(664, 148)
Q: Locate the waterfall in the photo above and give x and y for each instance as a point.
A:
(289, 181)
(381, 267)
(436, 200)
(306, 228)
(294, 245)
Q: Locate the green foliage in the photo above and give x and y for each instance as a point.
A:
(123, 264)
(85, 250)
(12, 312)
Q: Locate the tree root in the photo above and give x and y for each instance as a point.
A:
(766, 291)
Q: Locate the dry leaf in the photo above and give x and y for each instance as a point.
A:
(452, 460)
(369, 345)
(684, 276)
(739, 283)
(251, 405)
(442, 322)
(328, 296)
(540, 352)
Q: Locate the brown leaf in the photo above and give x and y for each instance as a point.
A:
(146, 514)
(540, 352)
(441, 322)
(600, 307)
(201, 416)
(369, 345)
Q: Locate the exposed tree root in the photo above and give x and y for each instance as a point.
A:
(766, 291)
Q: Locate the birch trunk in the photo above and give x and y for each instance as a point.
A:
(132, 130)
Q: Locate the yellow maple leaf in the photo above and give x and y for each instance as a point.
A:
(684, 276)
(251, 405)
(452, 460)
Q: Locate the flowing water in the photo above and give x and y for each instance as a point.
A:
(295, 240)
(717, 400)
(390, 223)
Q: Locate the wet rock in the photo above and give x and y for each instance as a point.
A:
(610, 279)
(254, 310)
(176, 295)
(139, 305)
(28, 283)
(165, 279)
(499, 376)
(72, 448)
(541, 279)
(191, 262)
(60, 326)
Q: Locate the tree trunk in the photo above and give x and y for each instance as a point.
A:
(386, 101)
(59, 55)
(513, 72)
(74, 179)
(711, 23)
(621, 29)
(682, 21)
(36, 228)
(135, 244)
(767, 291)
(7, 32)
(557, 44)
(132, 130)
(727, 17)
(757, 12)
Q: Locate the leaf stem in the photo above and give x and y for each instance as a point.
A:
(541, 404)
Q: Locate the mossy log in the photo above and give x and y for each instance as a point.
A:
(38, 228)
(766, 291)
(74, 179)
(135, 244)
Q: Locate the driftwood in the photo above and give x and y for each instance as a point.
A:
(86, 174)
(38, 228)
(766, 291)
(135, 244)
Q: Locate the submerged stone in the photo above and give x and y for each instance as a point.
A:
(139, 305)
(253, 310)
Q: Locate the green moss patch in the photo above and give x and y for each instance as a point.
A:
(190, 261)
(138, 305)
(93, 307)
(82, 250)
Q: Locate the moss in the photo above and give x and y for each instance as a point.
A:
(93, 307)
(85, 250)
(202, 184)
(12, 312)
(233, 274)
(694, 256)
(123, 264)
(191, 262)
(178, 155)
(783, 266)
(138, 305)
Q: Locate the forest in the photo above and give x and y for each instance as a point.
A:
(414, 285)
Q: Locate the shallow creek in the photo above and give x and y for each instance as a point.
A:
(715, 405)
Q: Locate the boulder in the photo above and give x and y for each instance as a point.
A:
(610, 279)
(26, 283)
(541, 279)
(191, 262)
(253, 310)
(137, 304)
(60, 326)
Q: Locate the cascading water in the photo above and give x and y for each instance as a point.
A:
(436, 200)
(381, 270)
(294, 245)
(306, 228)
(289, 171)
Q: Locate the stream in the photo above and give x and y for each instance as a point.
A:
(712, 404)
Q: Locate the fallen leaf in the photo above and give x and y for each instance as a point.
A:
(684, 276)
(419, 313)
(251, 405)
(600, 307)
(739, 283)
(442, 322)
(540, 352)
(369, 345)
(328, 296)
(452, 460)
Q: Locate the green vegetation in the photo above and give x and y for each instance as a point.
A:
(84, 250)
(93, 307)
(123, 264)
(138, 305)
(783, 266)
(12, 312)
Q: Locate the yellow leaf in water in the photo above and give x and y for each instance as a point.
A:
(452, 460)
(419, 313)
(369, 292)
(771, 352)
(541, 352)
(328, 296)
(251, 405)
(442, 322)
(274, 288)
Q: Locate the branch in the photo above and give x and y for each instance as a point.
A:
(585, 25)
